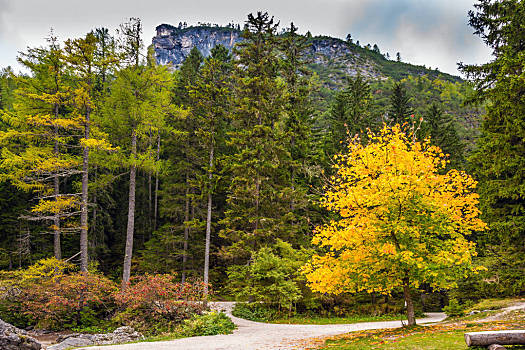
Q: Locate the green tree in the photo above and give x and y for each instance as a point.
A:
(258, 193)
(37, 145)
(400, 108)
(211, 97)
(350, 113)
(500, 155)
(138, 104)
(442, 129)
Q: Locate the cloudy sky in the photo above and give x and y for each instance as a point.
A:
(430, 32)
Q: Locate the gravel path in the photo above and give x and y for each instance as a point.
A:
(251, 335)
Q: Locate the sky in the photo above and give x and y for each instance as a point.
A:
(434, 33)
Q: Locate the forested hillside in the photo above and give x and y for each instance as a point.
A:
(214, 170)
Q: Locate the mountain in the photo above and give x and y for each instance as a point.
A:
(331, 58)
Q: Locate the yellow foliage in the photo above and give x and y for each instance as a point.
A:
(45, 270)
(401, 219)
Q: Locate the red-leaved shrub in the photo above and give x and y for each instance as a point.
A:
(159, 300)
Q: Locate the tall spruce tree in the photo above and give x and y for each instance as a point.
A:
(258, 193)
(350, 113)
(210, 99)
(500, 156)
(442, 129)
(400, 109)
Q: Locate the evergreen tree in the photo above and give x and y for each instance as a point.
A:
(441, 127)
(258, 194)
(210, 99)
(350, 113)
(500, 155)
(138, 104)
(400, 108)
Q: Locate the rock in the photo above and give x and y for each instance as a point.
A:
(118, 336)
(12, 338)
(473, 312)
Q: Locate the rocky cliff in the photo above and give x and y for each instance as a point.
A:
(333, 59)
(173, 44)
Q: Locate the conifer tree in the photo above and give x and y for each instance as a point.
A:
(400, 108)
(441, 127)
(81, 56)
(210, 99)
(37, 145)
(500, 155)
(257, 194)
(349, 114)
(138, 104)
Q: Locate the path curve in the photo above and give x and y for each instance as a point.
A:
(251, 335)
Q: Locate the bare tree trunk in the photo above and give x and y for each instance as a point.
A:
(208, 227)
(56, 219)
(186, 232)
(409, 303)
(156, 200)
(131, 213)
(84, 202)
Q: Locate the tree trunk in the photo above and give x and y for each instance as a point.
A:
(56, 181)
(208, 227)
(409, 303)
(156, 200)
(516, 337)
(186, 232)
(84, 202)
(131, 213)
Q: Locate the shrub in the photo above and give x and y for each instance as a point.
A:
(79, 299)
(254, 312)
(211, 323)
(157, 303)
(454, 308)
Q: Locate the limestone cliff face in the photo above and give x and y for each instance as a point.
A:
(172, 45)
(331, 58)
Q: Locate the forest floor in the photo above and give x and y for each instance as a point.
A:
(251, 335)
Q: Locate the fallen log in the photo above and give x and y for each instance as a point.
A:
(515, 337)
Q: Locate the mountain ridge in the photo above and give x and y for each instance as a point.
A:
(332, 58)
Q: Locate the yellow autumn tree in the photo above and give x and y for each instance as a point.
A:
(402, 221)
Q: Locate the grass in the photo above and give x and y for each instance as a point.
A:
(337, 320)
(438, 337)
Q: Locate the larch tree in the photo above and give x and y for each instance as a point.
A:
(138, 104)
(37, 153)
(401, 223)
(81, 56)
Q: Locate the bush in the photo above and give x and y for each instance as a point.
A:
(49, 294)
(454, 308)
(211, 323)
(156, 304)
(254, 312)
(79, 299)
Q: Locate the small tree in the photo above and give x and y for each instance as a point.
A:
(402, 223)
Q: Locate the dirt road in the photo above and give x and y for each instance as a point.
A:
(261, 336)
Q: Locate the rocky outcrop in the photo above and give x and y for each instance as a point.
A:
(119, 336)
(12, 338)
(173, 44)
